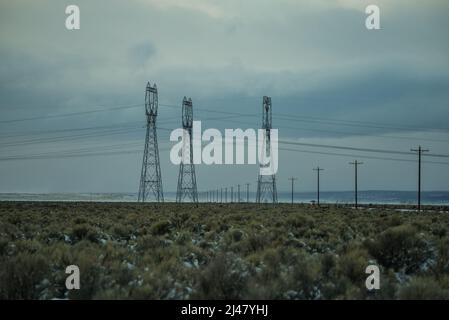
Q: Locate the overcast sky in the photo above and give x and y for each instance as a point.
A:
(331, 81)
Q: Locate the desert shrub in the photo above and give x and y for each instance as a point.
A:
(289, 255)
(80, 220)
(264, 290)
(179, 219)
(272, 261)
(441, 266)
(3, 247)
(443, 281)
(439, 231)
(223, 278)
(93, 236)
(236, 235)
(353, 292)
(148, 243)
(121, 232)
(27, 246)
(328, 264)
(229, 251)
(20, 275)
(305, 278)
(84, 232)
(421, 288)
(53, 234)
(267, 280)
(182, 238)
(400, 248)
(352, 264)
(9, 231)
(80, 231)
(211, 236)
(299, 221)
(123, 273)
(90, 273)
(161, 227)
(155, 286)
(394, 221)
(388, 287)
(255, 242)
(223, 227)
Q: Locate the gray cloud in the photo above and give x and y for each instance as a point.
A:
(140, 53)
(314, 58)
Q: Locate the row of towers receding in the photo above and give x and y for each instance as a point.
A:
(151, 189)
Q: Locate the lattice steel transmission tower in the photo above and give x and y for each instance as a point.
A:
(266, 184)
(187, 178)
(150, 178)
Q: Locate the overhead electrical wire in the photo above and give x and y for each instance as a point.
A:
(359, 149)
(102, 131)
(351, 133)
(113, 130)
(289, 117)
(71, 114)
(356, 123)
(361, 156)
(95, 152)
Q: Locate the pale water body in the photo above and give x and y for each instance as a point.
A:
(343, 197)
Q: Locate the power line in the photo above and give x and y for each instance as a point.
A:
(76, 155)
(70, 114)
(70, 137)
(283, 116)
(349, 133)
(333, 121)
(378, 124)
(211, 111)
(58, 154)
(129, 130)
(100, 129)
(44, 132)
(234, 114)
(355, 123)
(368, 134)
(83, 151)
(359, 156)
(357, 148)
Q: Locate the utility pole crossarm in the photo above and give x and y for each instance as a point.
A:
(420, 150)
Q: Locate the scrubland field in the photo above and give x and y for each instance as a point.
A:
(239, 251)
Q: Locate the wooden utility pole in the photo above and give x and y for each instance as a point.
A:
(292, 179)
(355, 164)
(318, 169)
(420, 152)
